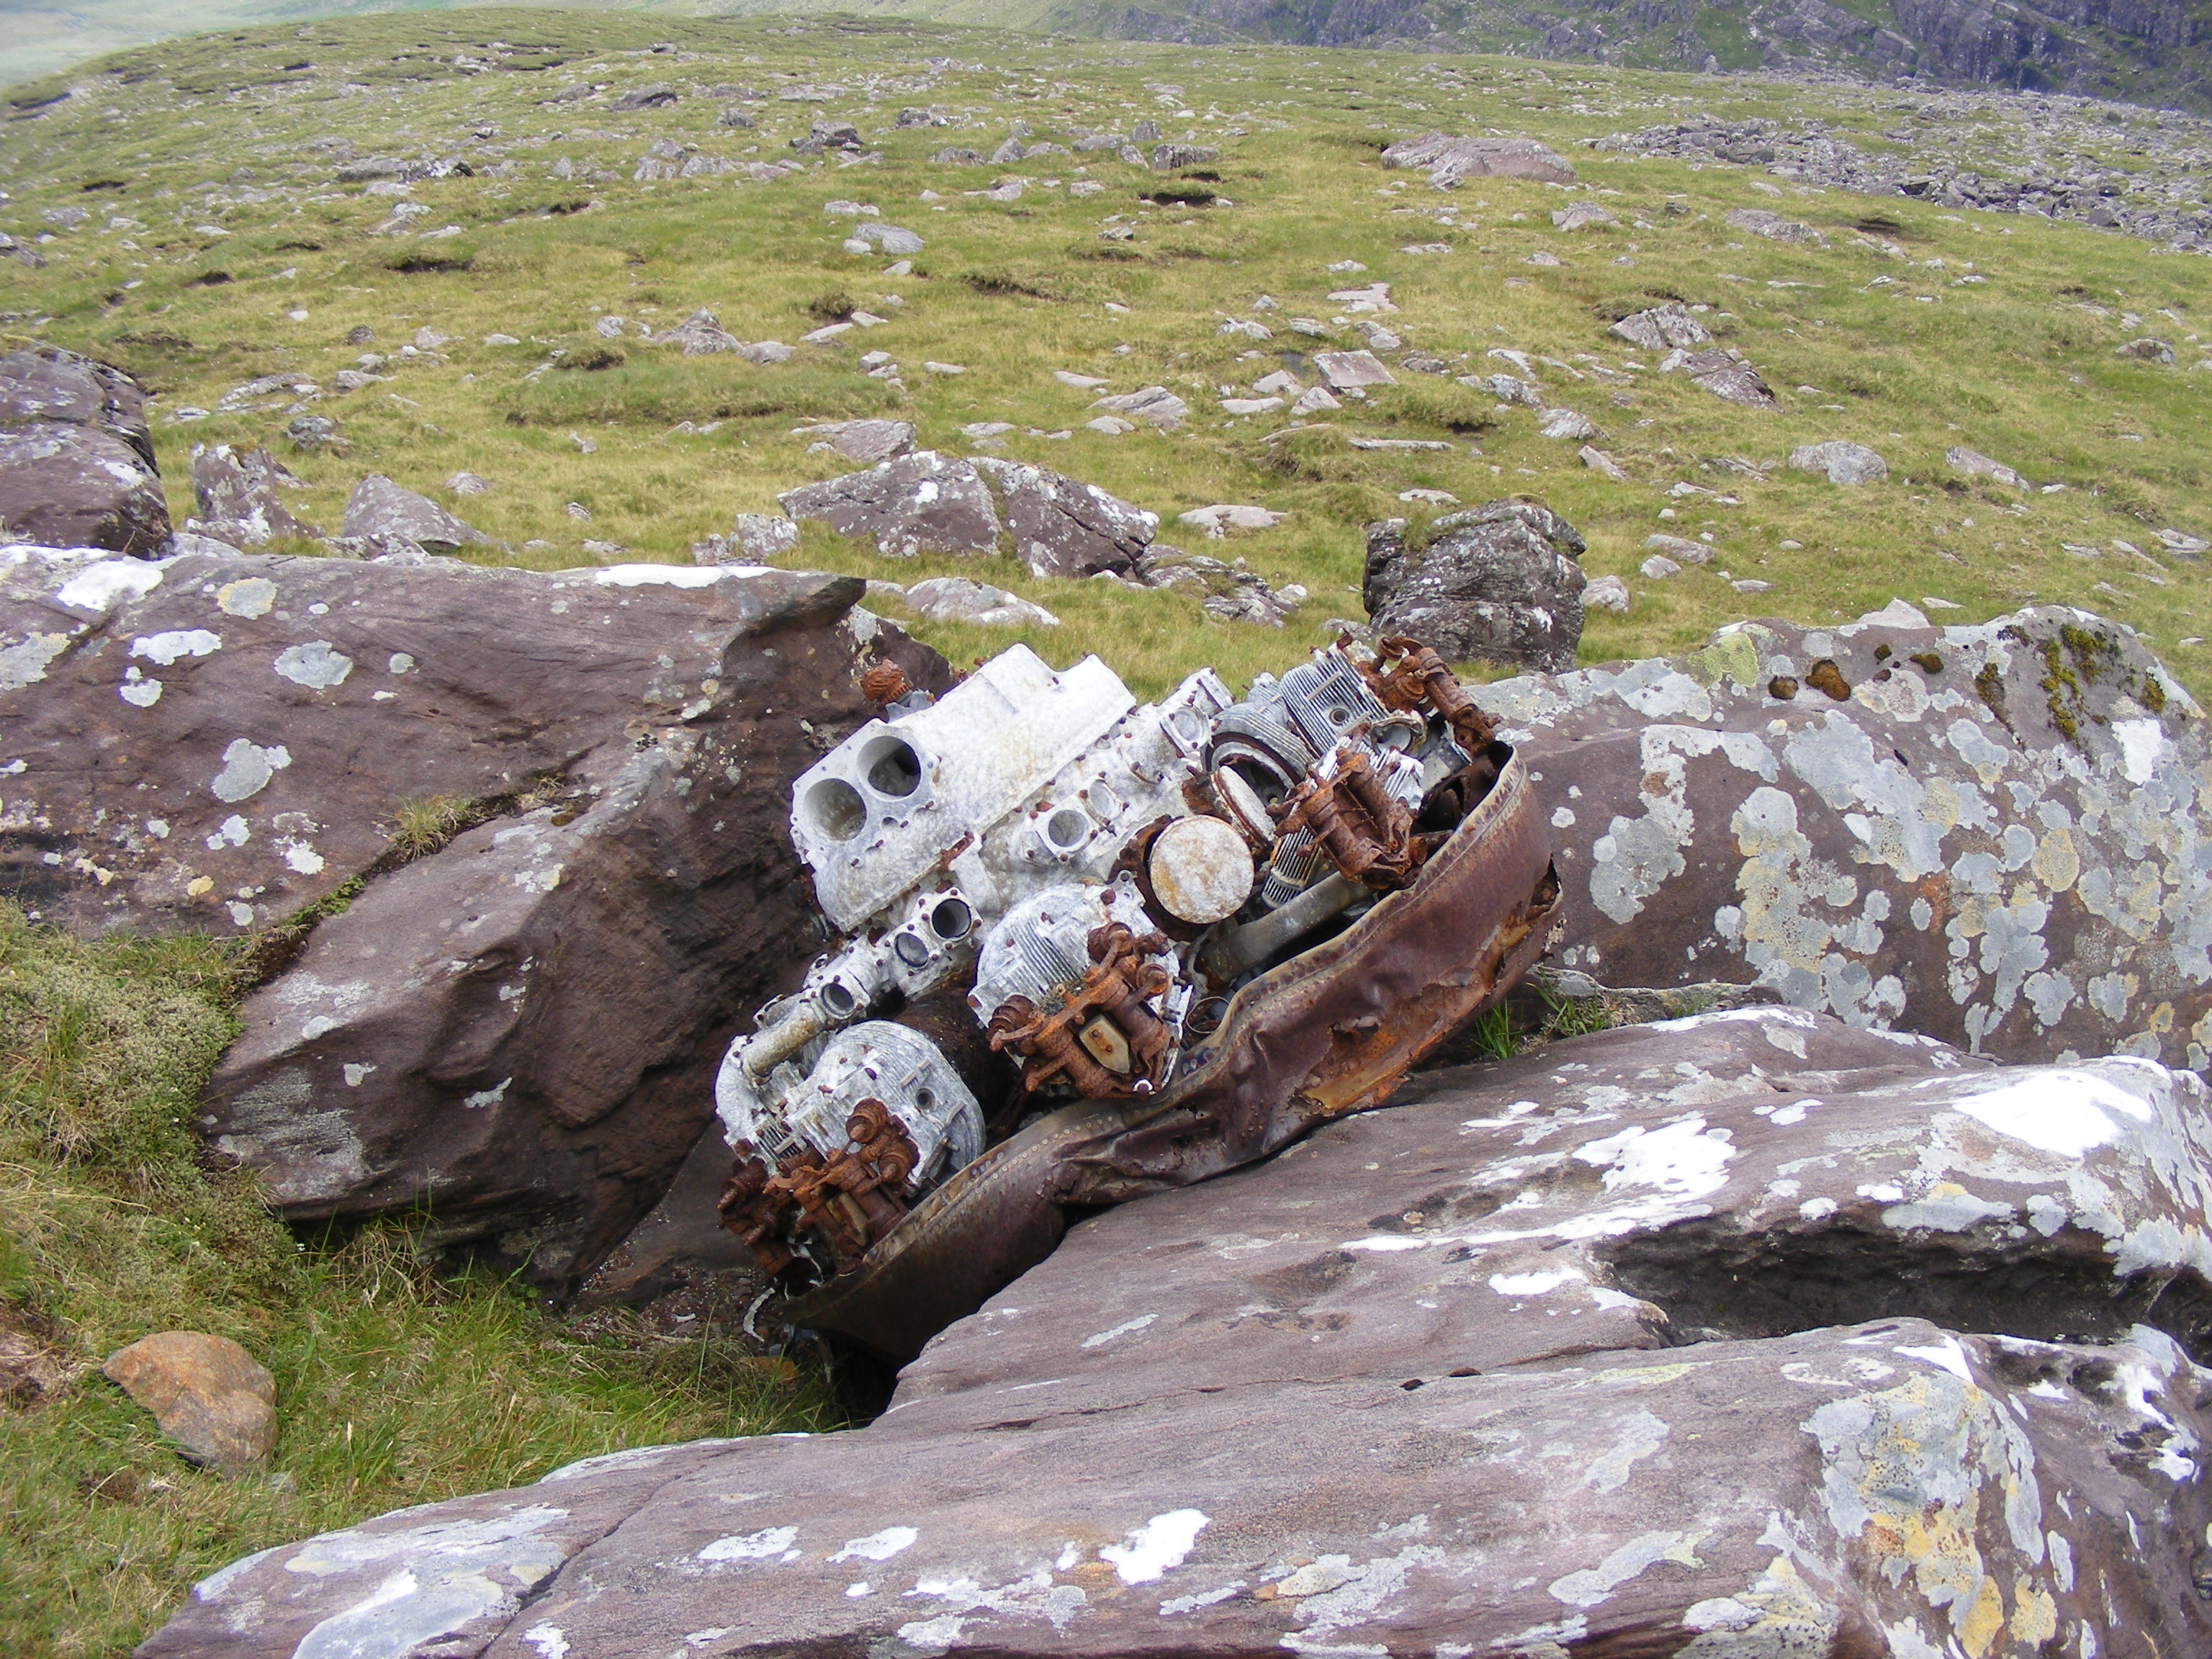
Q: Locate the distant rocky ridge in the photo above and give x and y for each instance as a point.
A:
(2048, 181)
(2142, 51)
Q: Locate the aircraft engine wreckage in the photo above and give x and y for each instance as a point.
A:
(1091, 949)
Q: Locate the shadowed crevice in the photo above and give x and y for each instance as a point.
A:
(1716, 1284)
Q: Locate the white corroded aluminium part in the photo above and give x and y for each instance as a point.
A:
(876, 1059)
(1038, 949)
(1201, 869)
(875, 814)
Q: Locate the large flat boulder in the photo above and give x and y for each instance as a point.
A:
(44, 385)
(1497, 583)
(1519, 1366)
(1995, 835)
(1448, 159)
(522, 1026)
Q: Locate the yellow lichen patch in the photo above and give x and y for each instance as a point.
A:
(1983, 1618)
(1940, 804)
(1732, 656)
(2056, 864)
(2035, 1619)
(1646, 1376)
(1903, 1449)
(1779, 1613)
(1937, 1544)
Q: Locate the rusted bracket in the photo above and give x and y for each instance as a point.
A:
(1106, 1041)
(849, 1199)
(1410, 675)
(1366, 833)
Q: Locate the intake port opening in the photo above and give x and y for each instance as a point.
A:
(1067, 829)
(891, 767)
(835, 808)
(837, 1002)
(951, 919)
(911, 950)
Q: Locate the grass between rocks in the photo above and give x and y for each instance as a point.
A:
(392, 1387)
(215, 247)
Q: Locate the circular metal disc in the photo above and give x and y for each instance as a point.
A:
(1201, 869)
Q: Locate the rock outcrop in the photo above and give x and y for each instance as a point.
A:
(387, 517)
(1063, 528)
(921, 503)
(522, 1026)
(1448, 160)
(934, 503)
(1669, 327)
(1499, 582)
(241, 499)
(1839, 462)
(1724, 373)
(2147, 197)
(77, 462)
(1607, 1349)
(1993, 835)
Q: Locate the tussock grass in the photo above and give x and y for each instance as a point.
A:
(393, 1387)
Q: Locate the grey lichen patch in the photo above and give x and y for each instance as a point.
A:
(247, 769)
(315, 664)
(1635, 856)
(24, 662)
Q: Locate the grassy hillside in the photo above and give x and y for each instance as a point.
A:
(216, 247)
(196, 232)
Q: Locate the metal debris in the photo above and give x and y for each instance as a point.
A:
(1064, 915)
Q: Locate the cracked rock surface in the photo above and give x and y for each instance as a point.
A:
(77, 462)
(1444, 1379)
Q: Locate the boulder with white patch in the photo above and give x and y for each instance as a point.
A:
(1061, 527)
(389, 517)
(927, 503)
(1997, 835)
(1501, 582)
(241, 496)
(1516, 1367)
(524, 1024)
(1448, 159)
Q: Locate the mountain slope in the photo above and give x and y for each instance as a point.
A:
(2157, 53)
